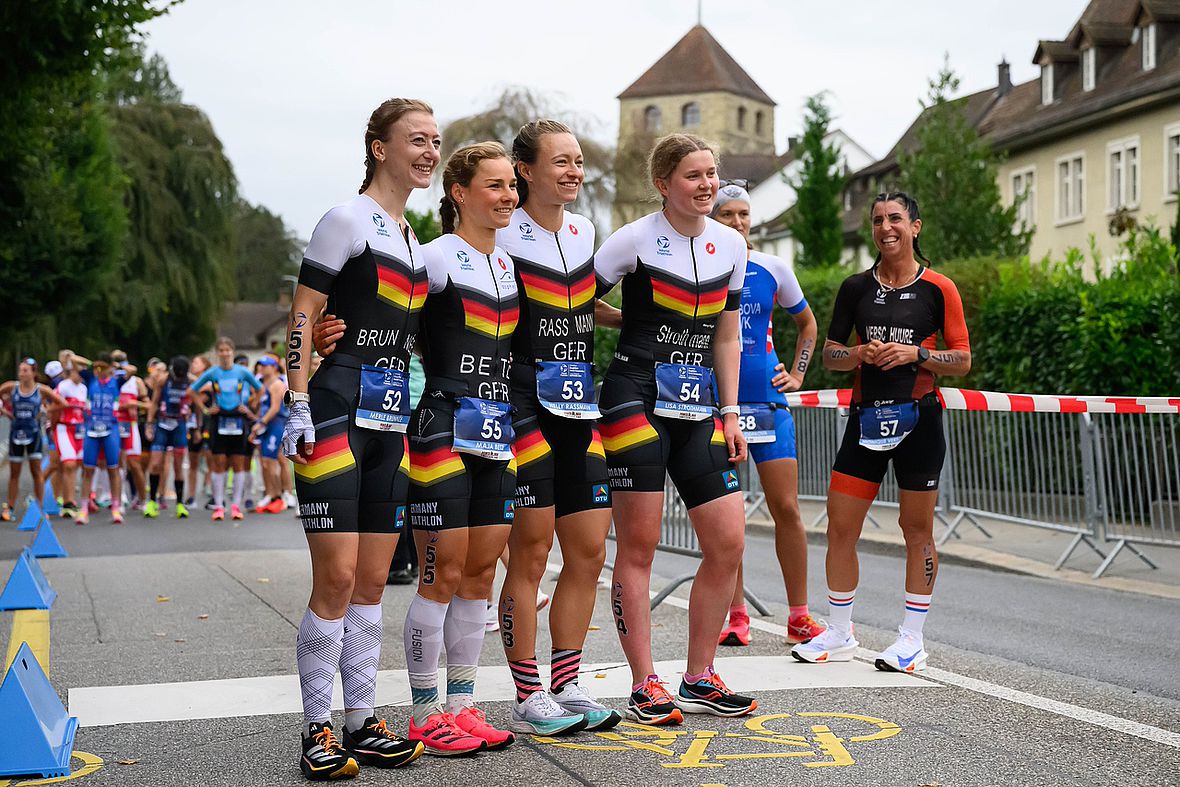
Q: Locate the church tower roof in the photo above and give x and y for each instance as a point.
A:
(696, 64)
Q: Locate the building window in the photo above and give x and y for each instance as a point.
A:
(690, 115)
(741, 118)
(651, 119)
(1171, 162)
(1047, 84)
(758, 117)
(1071, 188)
(1089, 68)
(1122, 174)
(1147, 44)
(1024, 188)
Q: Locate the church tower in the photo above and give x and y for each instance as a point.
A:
(697, 87)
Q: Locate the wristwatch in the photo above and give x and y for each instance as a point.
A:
(923, 355)
(291, 397)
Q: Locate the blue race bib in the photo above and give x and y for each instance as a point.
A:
(483, 428)
(884, 427)
(229, 425)
(757, 423)
(124, 429)
(383, 403)
(684, 391)
(566, 388)
(22, 436)
(168, 424)
(98, 430)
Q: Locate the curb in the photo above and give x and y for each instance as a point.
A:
(982, 557)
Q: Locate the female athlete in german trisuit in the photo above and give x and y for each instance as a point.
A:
(766, 420)
(896, 309)
(462, 471)
(561, 482)
(346, 434)
(682, 278)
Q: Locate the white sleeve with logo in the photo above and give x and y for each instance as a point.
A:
(615, 258)
(333, 242)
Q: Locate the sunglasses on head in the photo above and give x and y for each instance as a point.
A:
(741, 183)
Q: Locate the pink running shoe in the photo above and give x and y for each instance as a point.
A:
(737, 632)
(218, 514)
(442, 737)
(235, 512)
(117, 516)
(473, 721)
(803, 628)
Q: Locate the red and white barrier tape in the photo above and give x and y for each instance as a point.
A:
(959, 399)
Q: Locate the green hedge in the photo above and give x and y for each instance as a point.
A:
(1048, 327)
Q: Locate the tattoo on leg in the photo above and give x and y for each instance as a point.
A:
(429, 574)
(616, 606)
(928, 551)
(506, 609)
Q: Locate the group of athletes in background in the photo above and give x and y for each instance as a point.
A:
(104, 415)
(510, 445)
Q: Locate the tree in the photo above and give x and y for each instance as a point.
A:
(816, 221)
(178, 266)
(518, 105)
(952, 173)
(264, 251)
(425, 226)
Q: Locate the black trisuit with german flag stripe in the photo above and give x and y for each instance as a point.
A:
(372, 271)
(560, 460)
(467, 324)
(913, 314)
(674, 288)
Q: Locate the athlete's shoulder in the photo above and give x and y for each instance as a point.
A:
(939, 280)
(579, 226)
(340, 218)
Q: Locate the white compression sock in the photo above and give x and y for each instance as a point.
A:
(463, 635)
(317, 651)
(218, 480)
(422, 637)
(358, 662)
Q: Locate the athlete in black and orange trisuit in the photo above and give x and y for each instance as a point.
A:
(346, 434)
(896, 308)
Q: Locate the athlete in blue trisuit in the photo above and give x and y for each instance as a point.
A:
(167, 429)
(227, 432)
(23, 399)
(102, 435)
(766, 421)
(268, 433)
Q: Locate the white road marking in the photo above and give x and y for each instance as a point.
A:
(101, 706)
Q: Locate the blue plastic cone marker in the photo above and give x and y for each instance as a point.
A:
(27, 587)
(37, 732)
(51, 507)
(32, 517)
(45, 543)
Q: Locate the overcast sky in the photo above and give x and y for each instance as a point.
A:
(289, 84)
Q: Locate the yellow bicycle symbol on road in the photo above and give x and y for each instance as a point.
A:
(818, 748)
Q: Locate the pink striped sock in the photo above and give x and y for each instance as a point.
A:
(526, 677)
(564, 665)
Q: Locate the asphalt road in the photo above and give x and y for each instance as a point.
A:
(1034, 682)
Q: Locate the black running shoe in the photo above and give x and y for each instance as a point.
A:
(651, 704)
(323, 757)
(711, 695)
(375, 744)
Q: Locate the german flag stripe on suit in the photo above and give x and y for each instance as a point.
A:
(397, 288)
(430, 467)
(627, 433)
(529, 447)
(331, 457)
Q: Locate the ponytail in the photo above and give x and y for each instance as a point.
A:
(447, 214)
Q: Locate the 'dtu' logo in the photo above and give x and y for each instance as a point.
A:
(731, 479)
(399, 518)
(509, 509)
(600, 493)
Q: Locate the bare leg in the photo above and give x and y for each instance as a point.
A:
(637, 528)
(720, 526)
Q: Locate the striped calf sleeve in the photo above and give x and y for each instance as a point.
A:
(564, 666)
(526, 677)
(840, 609)
(916, 607)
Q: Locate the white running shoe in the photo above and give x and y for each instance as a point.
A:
(832, 645)
(906, 654)
(290, 499)
(574, 699)
(492, 621)
(540, 715)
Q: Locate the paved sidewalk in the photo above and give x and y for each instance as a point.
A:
(1019, 548)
